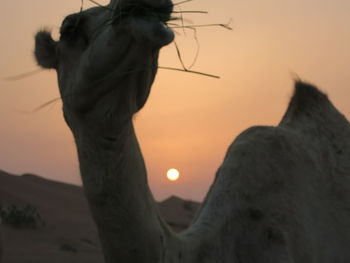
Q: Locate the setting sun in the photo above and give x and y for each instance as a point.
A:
(173, 174)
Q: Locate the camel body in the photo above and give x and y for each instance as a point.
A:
(280, 196)
(282, 193)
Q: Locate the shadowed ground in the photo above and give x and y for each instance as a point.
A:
(69, 234)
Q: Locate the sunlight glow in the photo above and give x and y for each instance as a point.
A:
(173, 174)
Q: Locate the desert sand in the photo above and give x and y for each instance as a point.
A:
(69, 234)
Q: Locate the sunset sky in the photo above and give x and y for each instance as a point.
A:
(189, 120)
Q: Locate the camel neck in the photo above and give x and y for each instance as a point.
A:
(115, 184)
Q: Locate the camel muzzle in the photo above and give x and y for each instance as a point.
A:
(164, 7)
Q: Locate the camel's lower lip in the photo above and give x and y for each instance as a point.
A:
(151, 30)
(165, 26)
(168, 31)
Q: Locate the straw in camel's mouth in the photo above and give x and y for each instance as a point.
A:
(161, 13)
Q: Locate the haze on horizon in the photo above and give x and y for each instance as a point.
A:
(189, 120)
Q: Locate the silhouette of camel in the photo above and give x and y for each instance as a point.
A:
(281, 194)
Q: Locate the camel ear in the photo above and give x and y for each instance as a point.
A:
(45, 50)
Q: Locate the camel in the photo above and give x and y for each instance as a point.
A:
(1, 246)
(281, 195)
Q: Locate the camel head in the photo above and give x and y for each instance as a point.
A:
(106, 58)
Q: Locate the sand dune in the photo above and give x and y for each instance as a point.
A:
(69, 234)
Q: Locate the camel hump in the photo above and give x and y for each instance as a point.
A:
(306, 100)
(307, 97)
(309, 104)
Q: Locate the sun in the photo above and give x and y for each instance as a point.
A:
(173, 174)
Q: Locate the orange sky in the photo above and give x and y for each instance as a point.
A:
(189, 120)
